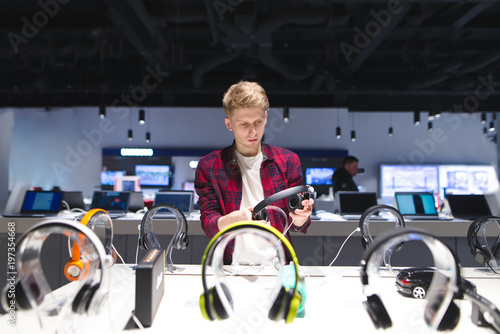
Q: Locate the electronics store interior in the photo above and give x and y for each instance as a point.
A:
(250, 167)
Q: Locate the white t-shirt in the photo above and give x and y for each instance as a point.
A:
(250, 249)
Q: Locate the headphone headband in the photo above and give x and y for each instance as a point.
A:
(367, 238)
(280, 196)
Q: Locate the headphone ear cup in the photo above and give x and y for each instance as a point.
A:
(205, 308)
(21, 298)
(73, 269)
(377, 312)
(294, 202)
(495, 250)
(481, 256)
(281, 306)
(149, 241)
(450, 318)
(83, 298)
(181, 240)
(262, 215)
(216, 302)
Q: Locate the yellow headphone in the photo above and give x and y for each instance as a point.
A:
(74, 267)
(288, 300)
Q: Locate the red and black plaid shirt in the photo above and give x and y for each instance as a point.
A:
(218, 184)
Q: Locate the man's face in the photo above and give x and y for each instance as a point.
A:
(352, 168)
(247, 125)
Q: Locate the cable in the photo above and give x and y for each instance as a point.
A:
(342, 246)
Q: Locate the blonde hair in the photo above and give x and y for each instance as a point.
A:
(244, 94)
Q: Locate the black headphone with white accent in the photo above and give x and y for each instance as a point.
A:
(32, 288)
(295, 196)
(148, 239)
(479, 247)
(366, 236)
(440, 311)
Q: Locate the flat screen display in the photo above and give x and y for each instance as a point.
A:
(408, 178)
(467, 179)
(153, 175)
(108, 177)
(319, 175)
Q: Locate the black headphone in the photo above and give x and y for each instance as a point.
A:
(440, 311)
(148, 239)
(366, 236)
(288, 300)
(32, 287)
(478, 244)
(295, 197)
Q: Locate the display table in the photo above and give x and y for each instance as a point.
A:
(334, 303)
(329, 225)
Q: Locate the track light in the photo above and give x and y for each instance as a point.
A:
(483, 118)
(148, 137)
(485, 130)
(429, 125)
(390, 131)
(286, 114)
(130, 134)
(492, 126)
(416, 118)
(142, 116)
(102, 111)
(353, 135)
(338, 132)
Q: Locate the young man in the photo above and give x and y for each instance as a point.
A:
(342, 178)
(231, 181)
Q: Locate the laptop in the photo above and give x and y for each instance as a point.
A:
(183, 199)
(350, 205)
(468, 206)
(39, 204)
(417, 206)
(74, 199)
(116, 203)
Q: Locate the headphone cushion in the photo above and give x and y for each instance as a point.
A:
(450, 318)
(262, 215)
(218, 306)
(294, 202)
(83, 298)
(149, 241)
(377, 312)
(281, 306)
(205, 308)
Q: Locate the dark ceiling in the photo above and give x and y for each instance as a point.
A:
(365, 55)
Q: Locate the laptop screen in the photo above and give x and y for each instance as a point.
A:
(416, 204)
(468, 206)
(355, 203)
(110, 201)
(42, 202)
(181, 199)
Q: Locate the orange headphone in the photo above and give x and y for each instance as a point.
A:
(74, 268)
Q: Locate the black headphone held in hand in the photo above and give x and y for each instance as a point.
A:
(32, 288)
(216, 302)
(295, 196)
(440, 311)
(148, 239)
(478, 244)
(366, 236)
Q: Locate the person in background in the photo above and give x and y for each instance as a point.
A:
(231, 181)
(342, 177)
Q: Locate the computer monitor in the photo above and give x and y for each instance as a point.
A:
(108, 177)
(319, 175)
(407, 178)
(467, 179)
(153, 175)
